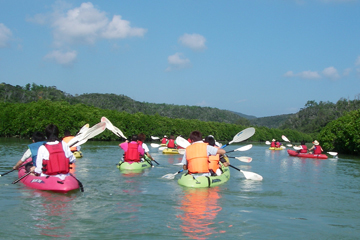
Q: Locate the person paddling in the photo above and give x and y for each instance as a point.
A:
(171, 142)
(38, 139)
(196, 156)
(141, 140)
(303, 147)
(316, 147)
(164, 140)
(54, 157)
(214, 165)
(133, 150)
(272, 143)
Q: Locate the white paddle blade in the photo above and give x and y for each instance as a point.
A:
(267, 143)
(333, 153)
(252, 176)
(181, 151)
(169, 176)
(282, 147)
(112, 128)
(154, 145)
(182, 142)
(95, 130)
(289, 145)
(154, 138)
(285, 138)
(83, 129)
(243, 135)
(244, 148)
(178, 164)
(297, 148)
(244, 159)
(162, 148)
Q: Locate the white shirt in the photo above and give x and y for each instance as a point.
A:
(43, 153)
(145, 147)
(26, 155)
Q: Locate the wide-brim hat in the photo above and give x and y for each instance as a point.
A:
(315, 142)
(273, 140)
(165, 136)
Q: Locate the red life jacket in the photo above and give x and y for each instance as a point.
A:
(163, 141)
(58, 163)
(317, 149)
(304, 149)
(132, 154)
(277, 144)
(272, 144)
(171, 143)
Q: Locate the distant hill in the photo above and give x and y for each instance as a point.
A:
(245, 116)
(271, 122)
(33, 92)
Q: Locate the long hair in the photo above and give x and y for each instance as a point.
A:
(52, 133)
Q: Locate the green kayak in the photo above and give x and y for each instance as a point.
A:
(135, 165)
(201, 182)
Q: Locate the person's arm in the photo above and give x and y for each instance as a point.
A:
(25, 156)
(68, 152)
(184, 161)
(42, 154)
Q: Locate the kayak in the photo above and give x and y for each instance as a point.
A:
(78, 154)
(275, 148)
(306, 155)
(170, 151)
(187, 180)
(48, 183)
(135, 166)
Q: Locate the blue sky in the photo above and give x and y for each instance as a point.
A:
(260, 58)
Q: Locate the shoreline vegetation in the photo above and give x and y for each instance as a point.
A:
(31, 108)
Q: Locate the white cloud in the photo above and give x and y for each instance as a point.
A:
(331, 73)
(63, 58)
(178, 61)
(86, 24)
(194, 41)
(304, 74)
(357, 61)
(5, 35)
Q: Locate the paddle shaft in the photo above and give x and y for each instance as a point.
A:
(18, 180)
(80, 184)
(12, 170)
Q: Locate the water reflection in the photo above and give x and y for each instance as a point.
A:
(200, 207)
(51, 212)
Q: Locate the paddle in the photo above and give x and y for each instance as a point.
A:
(333, 153)
(267, 143)
(285, 138)
(242, 136)
(86, 135)
(155, 138)
(182, 142)
(243, 159)
(297, 148)
(249, 175)
(241, 149)
(112, 128)
(80, 184)
(155, 145)
(172, 175)
(11, 170)
(18, 180)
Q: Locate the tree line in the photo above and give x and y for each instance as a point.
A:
(22, 119)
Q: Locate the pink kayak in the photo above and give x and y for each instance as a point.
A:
(48, 183)
(306, 155)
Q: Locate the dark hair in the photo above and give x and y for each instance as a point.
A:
(302, 142)
(67, 133)
(195, 136)
(210, 140)
(52, 133)
(141, 137)
(172, 137)
(134, 138)
(38, 137)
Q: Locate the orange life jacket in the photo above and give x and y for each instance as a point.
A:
(67, 139)
(214, 162)
(198, 160)
(58, 163)
(132, 154)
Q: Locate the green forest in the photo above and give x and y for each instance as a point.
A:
(30, 108)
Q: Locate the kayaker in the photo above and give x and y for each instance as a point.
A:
(164, 140)
(316, 147)
(171, 142)
(38, 139)
(132, 150)
(196, 156)
(54, 157)
(67, 138)
(141, 139)
(303, 147)
(272, 143)
(277, 144)
(214, 165)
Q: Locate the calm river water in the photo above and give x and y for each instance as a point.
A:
(298, 199)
